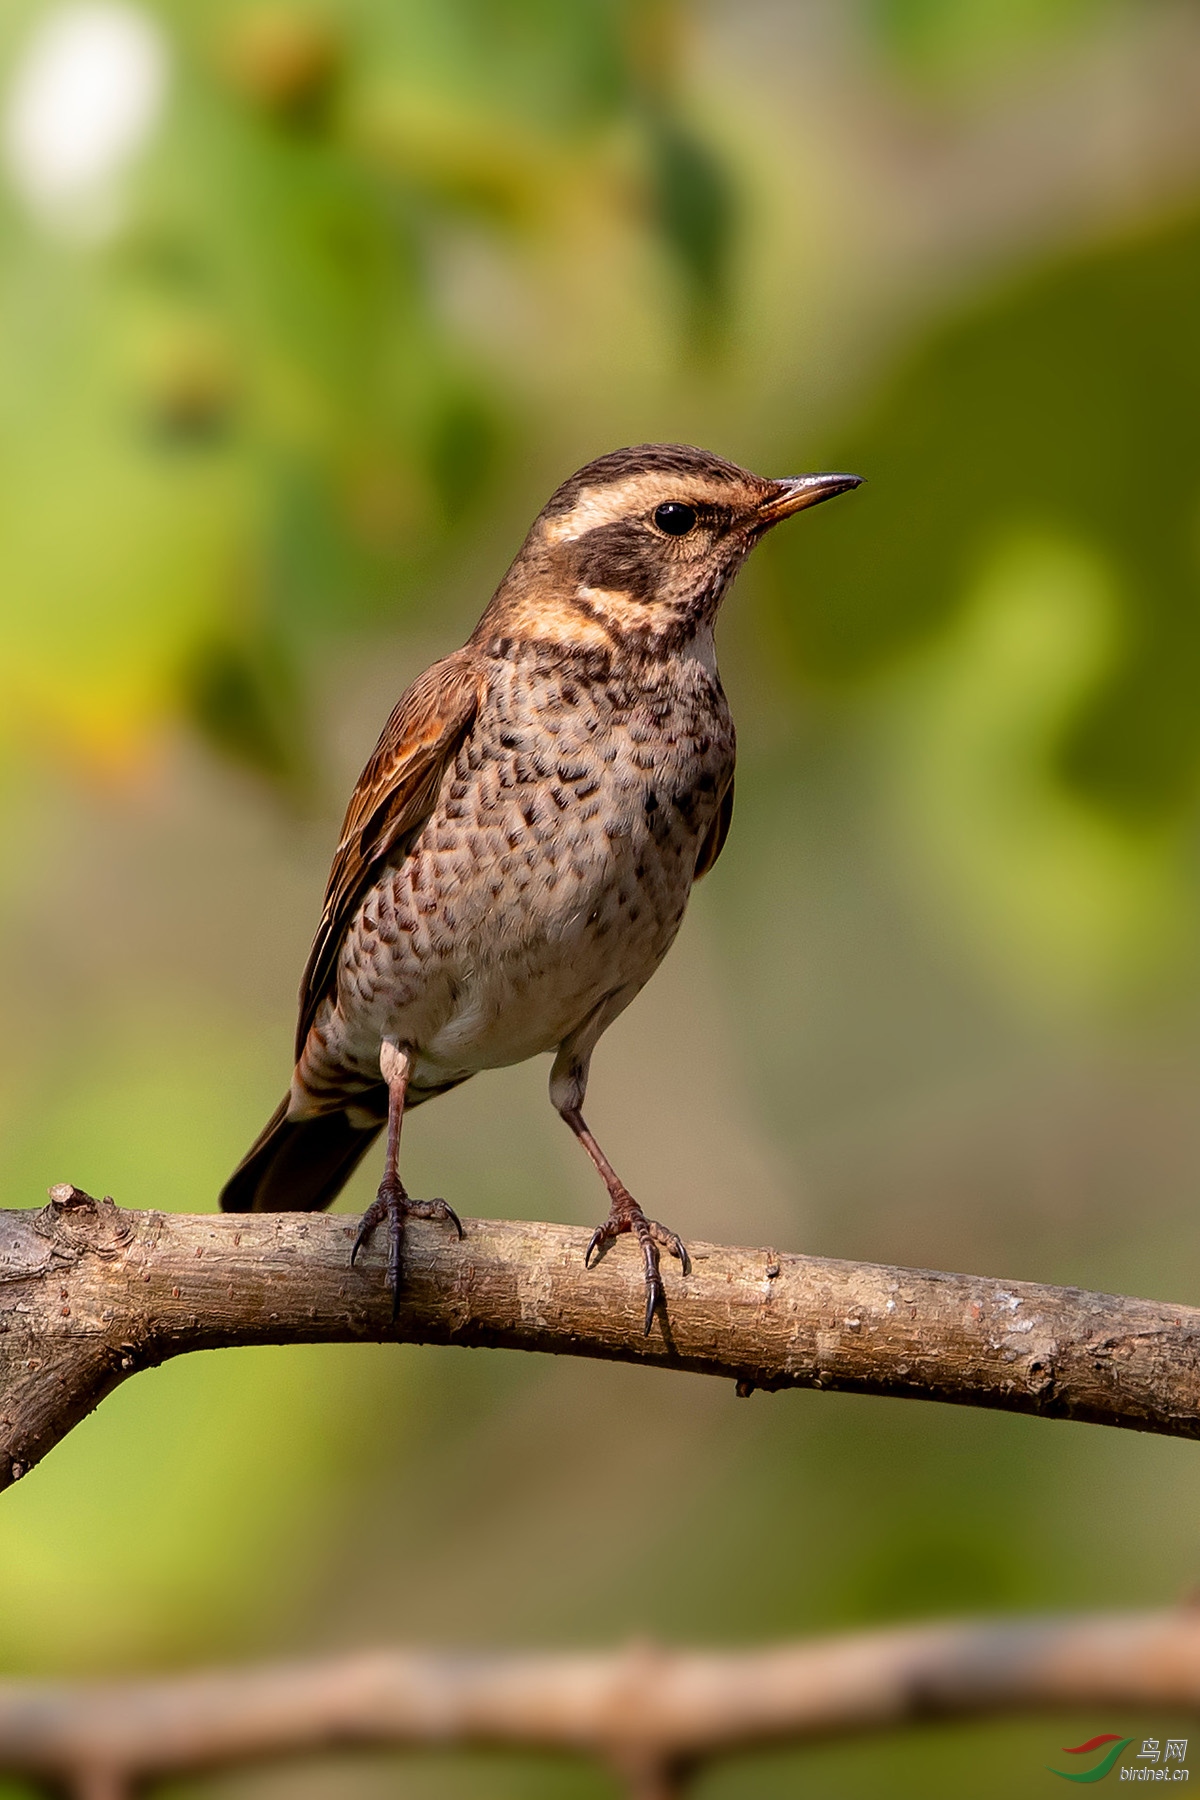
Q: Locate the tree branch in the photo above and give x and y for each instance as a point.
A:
(90, 1293)
(650, 1713)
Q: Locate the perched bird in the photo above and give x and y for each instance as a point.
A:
(519, 850)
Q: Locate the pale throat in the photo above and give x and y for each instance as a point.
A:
(600, 618)
(622, 611)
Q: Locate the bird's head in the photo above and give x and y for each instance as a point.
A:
(639, 546)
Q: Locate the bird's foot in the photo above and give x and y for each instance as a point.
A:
(627, 1215)
(392, 1204)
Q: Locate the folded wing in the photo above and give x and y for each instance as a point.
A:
(395, 795)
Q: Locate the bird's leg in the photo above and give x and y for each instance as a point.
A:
(626, 1215)
(392, 1202)
(567, 1086)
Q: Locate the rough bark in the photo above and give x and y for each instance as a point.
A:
(90, 1293)
(651, 1714)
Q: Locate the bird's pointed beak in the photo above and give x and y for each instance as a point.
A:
(798, 491)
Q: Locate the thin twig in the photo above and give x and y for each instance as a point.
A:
(646, 1712)
(89, 1294)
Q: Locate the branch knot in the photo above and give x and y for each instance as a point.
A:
(76, 1223)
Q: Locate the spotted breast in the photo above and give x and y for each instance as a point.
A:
(519, 850)
(547, 884)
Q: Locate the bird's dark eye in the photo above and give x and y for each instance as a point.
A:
(674, 517)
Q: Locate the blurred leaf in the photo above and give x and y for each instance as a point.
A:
(948, 40)
(113, 554)
(243, 697)
(462, 442)
(251, 370)
(483, 165)
(692, 203)
(1061, 903)
(1069, 406)
(284, 59)
(562, 70)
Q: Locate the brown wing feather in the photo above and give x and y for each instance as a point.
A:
(718, 831)
(395, 795)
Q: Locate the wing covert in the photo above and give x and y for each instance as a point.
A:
(395, 795)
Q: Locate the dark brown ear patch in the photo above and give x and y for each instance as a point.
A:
(622, 557)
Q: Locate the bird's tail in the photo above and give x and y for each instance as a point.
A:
(297, 1165)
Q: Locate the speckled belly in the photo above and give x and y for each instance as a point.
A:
(552, 875)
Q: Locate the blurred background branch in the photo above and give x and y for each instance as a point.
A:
(654, 1716)
(95, 1293)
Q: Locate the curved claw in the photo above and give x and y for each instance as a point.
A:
(599, 1236)
(651, 1237)
(654, 1287)
(366, 1231)
(678, 1248)
(434, 1209)
(396, 1206)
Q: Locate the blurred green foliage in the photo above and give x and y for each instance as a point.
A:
(950, 44)
(1068, 407)
(1023, 575)
(243, 416)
